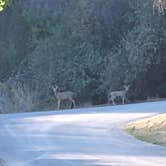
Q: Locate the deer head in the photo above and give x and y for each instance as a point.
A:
(126, 87)
(55, 88)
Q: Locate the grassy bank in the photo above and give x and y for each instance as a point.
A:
(151, 129)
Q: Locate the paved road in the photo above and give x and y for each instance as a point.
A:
(81, 137)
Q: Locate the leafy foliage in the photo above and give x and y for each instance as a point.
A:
(3, 4)
(87, 46)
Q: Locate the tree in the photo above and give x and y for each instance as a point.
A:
(88, 46)
(160, 5)
(3, 4)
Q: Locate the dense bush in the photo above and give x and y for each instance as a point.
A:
(18, 98)
(87, 46)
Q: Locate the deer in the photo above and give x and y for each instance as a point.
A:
(122, 94)
(61, 96)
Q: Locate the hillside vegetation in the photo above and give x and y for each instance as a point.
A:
(87, 46)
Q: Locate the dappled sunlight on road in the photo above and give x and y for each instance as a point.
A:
(101, 159)
(81, 137)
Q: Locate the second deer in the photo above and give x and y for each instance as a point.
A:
(61, 96)
(122, 94)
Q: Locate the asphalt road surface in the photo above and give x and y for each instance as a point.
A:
(79, 137)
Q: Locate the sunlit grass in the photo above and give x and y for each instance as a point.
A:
(151, 129)
(3, 4)
(1, 8)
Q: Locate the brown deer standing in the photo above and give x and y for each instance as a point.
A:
(61, 96)
(122, 94)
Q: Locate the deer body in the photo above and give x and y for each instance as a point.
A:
(114, 94)
(61, 96)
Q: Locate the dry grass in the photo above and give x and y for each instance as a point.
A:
(151, 129)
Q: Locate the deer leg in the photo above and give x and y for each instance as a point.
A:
(123, 100)
(126, 99)
(59, 102)
(112, 99)
(73, 103)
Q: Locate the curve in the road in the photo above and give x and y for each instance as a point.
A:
(91, 137)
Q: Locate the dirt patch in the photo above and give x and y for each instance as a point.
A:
(151, 129)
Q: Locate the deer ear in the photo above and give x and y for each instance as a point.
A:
(124, 86)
